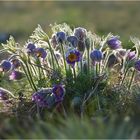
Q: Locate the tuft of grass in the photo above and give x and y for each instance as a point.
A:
(69, 128)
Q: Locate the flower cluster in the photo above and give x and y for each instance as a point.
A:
(67, 54)
(47, 97)
(36, 51)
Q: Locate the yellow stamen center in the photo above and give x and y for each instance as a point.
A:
(38, 54)
(72, 57)
(58, 91)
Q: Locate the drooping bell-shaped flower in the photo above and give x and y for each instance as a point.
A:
(96, 55)
(54, 41)
(58, 92)
(5, 65)
(137, 65)
(44, 97)
(114, 43)
(73, 41)
(31, 48)
(80, 33)
(16, 75)
(131, 55)
(40, 52)
(60, 37)
(15, 63)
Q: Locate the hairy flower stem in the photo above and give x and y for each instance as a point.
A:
(98, 101)
(52, 54)
(64, 111)
(8, 92)
(88, 60)
(39, 69)
(74, 73)
(125, 73)
(99, 67)
(51, 51)
(106, 60)
(63, 54)
(131, 80)
(3, 50)
(81, 65)
(96, 69)
(28, 78)
(34, 71)
(29, 75)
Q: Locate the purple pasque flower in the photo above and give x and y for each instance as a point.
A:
(114, 43)
(73, 40)
(31, 48)
(58, 92)
(96, 55)
(81, 46)
(131, 55)
(73, 56)
(40, 52)
(5, 65)
(60, 37)
(15, 63)
(44, 97)
(137, 65)
(3, 94)
(16, 75)
(54, 41)
(80, 33)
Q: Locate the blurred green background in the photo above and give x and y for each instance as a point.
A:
(21, 18)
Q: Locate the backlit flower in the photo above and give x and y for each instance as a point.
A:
(73, 40)
(60, 37)
(15, 63)
(44, 97)
(16, 75)
(5, 65)
(80, 33)
(31, 48)
(53, 41)
(40, 52)
(114, 43)
(137, 65)
(73, 56)
(131, 55)
(96, 55)
(58, 92)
